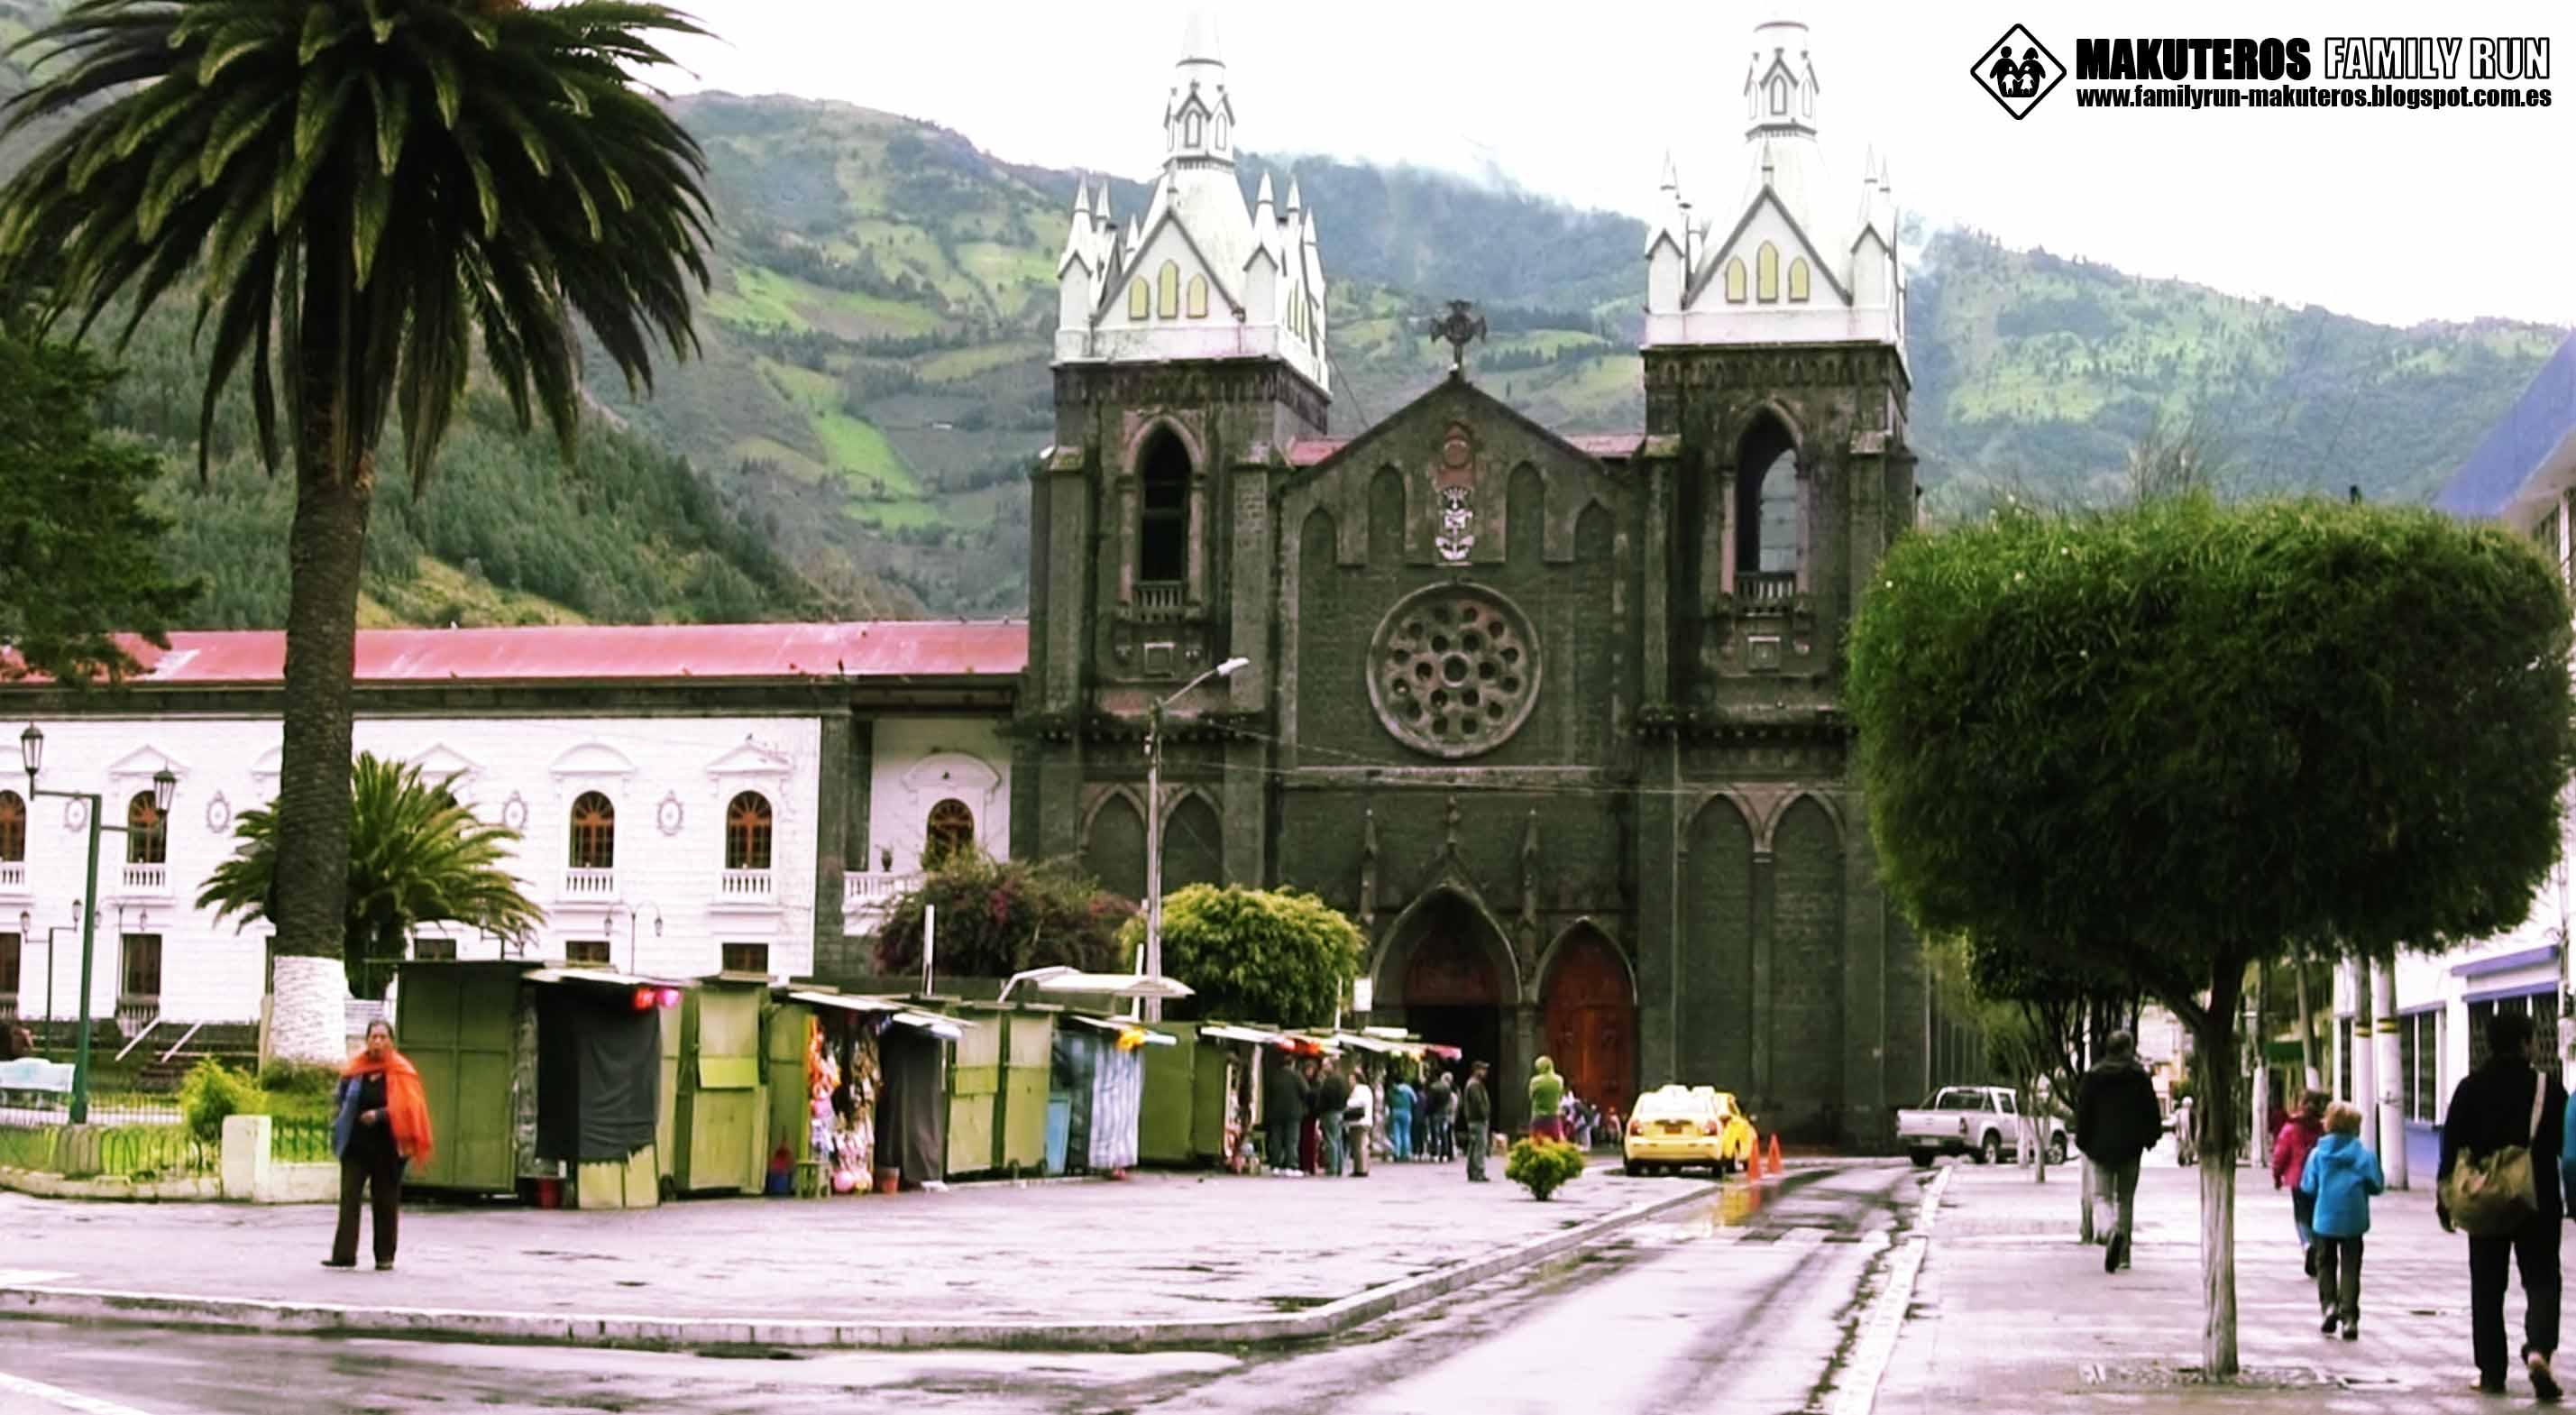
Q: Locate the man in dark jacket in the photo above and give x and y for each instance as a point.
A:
(1332, 1096)
(2116, 1120)
(2489, 1111)
(1282, 1106)
(1476, 1122)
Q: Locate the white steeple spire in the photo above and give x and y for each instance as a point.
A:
(1078, 241)
(1296, 198)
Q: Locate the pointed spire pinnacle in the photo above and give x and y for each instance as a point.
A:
(1672, 178)
(1135, 232)
(1082, 196)
(1296, 197)
(1261, 204)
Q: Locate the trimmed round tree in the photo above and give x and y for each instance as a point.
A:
(2163, 745)
(1272, 955)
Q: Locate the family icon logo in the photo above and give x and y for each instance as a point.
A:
(2019, 71)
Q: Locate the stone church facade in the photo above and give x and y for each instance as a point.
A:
(1556, 719)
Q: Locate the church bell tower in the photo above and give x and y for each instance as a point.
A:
(1189, 358)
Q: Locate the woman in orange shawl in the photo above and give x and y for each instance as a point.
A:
(380, 1123)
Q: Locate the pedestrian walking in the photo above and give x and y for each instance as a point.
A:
(1310, 1142)
(2504, 1105)
(1358, 1119)
(1282, 1111)
(2116, 1121)
(1332, 1099)
(1475, 1120)
(2338, 1177)
(1546, 1094)
(1399, 1119)
(380, 1123)
(1439, 1103)
(2290, 1160)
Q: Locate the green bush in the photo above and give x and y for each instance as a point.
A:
(1542, 1166)
(295, 1078)
(211, 1093)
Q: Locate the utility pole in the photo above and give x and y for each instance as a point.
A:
(1153, 960)
(2394, 1083)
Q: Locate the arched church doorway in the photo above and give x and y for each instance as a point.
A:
(1590, 1021)
(1452, 994)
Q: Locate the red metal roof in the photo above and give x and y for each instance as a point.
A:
(880, 649)
(1307, 451)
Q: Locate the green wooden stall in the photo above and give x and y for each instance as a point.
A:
(1023, 1047)
(459, 1024)
(1164, 1127)
(974, 1088)
(719, 1121)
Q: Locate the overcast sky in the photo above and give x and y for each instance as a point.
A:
(2395, 216)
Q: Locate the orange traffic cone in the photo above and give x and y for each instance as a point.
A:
(1753, 1161)
(1775, 1152)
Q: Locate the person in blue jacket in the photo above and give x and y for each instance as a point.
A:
(2341, 1175)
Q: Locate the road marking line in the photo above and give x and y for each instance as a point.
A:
(1803, 1237)
(29, 1277)
(68, 1400)
(1879, 1326)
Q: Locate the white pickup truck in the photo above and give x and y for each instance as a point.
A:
(1981, 1121)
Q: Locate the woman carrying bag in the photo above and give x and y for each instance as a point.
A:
(2497, 1183)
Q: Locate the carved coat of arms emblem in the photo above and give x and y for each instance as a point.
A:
(1454, 484)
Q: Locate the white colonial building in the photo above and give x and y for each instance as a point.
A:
(2523, 475)
(688, 798)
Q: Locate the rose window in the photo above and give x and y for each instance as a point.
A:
(1454, 670)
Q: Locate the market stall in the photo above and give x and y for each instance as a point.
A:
(912, 1102)
(542, 1079)
(720, 1126)
(1200, 1095)
(825, 1077)
(1098, 1069)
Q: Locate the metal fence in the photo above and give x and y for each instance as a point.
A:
(142, 1152)
(300, 1141)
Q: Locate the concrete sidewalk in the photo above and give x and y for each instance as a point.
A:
(1160, 1259)
(2011, 1312)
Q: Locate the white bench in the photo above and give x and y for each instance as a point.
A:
(36, 1078)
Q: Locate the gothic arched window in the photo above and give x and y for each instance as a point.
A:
(1140, 299)
(147, 834)
(1198, 297)
(1779, 95)
(594, 832)
(1798, 278)
(748, 823)
(1163, 520)
(13, 827)
(1766, 272)
(1735, 280)
(950, 829)
(1193, 130)
(1167, 302)
(1768, 536)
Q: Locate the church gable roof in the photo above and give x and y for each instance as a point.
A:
(1453, 399)
(1143, 262)
(1824, 269)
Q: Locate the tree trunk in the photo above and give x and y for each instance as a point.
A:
(2311, 1077)
(327, 554)
(2214, 1068)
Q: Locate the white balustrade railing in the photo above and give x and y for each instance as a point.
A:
(13, 874)
(1774, 587)
(745, 884)
(589, 884)
(876, 890)
(147, 879)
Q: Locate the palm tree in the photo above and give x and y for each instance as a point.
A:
(415, 857)
(358, 190)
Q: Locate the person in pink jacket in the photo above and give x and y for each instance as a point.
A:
(2290, 1160)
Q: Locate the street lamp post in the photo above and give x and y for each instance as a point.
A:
(165, 787)
(1154, 824)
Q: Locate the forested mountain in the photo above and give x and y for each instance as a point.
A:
(856, 438)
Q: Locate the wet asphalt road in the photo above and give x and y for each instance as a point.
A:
(1740, 1305)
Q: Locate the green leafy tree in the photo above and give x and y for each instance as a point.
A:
(355, 190)
(2195, 738)
(1278, 955)
(81, 551)
(415, 857)
(999, 917)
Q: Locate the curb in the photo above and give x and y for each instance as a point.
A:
(1884, 1321)
(113, 1189)
(684, 1333)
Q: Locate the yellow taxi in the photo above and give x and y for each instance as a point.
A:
(1673, 1127)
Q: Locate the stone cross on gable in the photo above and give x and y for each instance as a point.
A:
(1460, 326)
